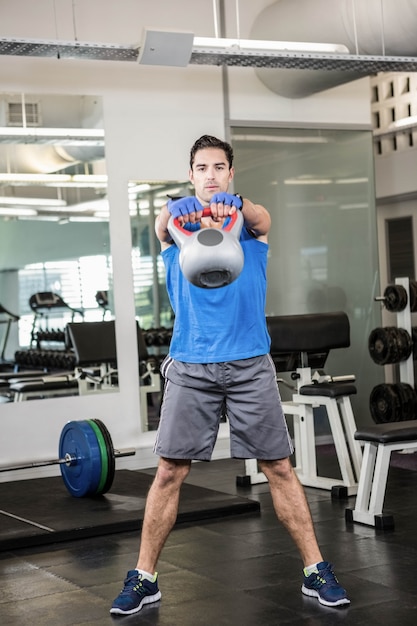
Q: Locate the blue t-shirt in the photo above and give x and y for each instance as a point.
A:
(224, 324)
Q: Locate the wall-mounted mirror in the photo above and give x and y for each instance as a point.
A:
(153, 310)
(55, 263)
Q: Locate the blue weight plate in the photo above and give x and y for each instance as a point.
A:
(79, 440)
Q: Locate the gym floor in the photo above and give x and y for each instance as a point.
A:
(241, 570)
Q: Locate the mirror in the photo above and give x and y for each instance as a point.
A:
(55, 263)
(153, 310)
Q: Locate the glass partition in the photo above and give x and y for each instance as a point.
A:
(319, 188)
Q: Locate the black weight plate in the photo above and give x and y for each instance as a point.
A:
(408, 398)
(395, 298)
(381, 346)
(79, 440)
(110, 455)
(385, 404)
(404, 343)
(413, 296)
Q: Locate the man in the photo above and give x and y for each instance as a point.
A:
(219, 357)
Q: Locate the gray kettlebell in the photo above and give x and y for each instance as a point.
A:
(210, 257)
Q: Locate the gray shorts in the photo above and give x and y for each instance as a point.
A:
(196, 396)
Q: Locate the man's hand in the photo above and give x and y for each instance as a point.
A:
(187, 209)
(223, 204)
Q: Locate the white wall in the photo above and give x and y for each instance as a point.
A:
(151, 117)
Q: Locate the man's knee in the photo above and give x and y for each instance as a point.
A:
(172, 471)
(280, 468)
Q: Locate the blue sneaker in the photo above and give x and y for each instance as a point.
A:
(324, 586)
(136, 592)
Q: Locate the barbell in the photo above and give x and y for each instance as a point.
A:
(86, 458)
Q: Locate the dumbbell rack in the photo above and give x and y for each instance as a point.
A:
(406, 367)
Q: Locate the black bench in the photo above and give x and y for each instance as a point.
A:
(379, 441)
(300, 343)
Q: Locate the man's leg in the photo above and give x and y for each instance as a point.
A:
(141, 584)
(292, 510)
(291, 507)
(161, 510)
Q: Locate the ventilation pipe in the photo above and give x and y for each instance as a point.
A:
(365, 27)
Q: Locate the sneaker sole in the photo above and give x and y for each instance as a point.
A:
(146, 600)
(315, 594)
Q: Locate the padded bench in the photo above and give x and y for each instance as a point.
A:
(46, 387)
(300, 342)
(379, 441)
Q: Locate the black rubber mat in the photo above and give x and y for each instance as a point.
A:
(41, 511)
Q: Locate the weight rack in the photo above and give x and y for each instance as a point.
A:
(396, 344)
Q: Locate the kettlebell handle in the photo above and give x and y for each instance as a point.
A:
(207, 213)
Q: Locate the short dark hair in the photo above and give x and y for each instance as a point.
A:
(208, 141)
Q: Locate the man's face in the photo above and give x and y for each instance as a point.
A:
(210, 174)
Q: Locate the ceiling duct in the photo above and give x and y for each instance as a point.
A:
(365, 27)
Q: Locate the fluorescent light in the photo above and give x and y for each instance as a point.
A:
(138, 188)
(79, 185)
(42, 202)
(90, 178)
(282, 138)
(261, 45)
(98, 205)
(308, 181)
(17, 212)
(34, 178)
(171, 48)
(84, 218)
(350, 181)
(52, 133)
(358, 205)
(49, 179)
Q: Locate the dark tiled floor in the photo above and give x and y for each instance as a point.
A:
(240, 571)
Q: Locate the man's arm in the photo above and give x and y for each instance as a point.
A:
(257, 219)
(187, 209)
(161, 227)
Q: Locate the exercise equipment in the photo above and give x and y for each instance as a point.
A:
(379, 441)
(398, 296)
(389, 345)
(396, 345)
(393, 402)
(86, 458)
(43, 303)
(299, 342)
(210, 257)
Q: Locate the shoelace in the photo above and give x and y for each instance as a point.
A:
(326, 576)
(133, 583)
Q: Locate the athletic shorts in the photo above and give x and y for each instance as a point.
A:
(196, 396)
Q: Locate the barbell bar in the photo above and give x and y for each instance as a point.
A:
(86, 458)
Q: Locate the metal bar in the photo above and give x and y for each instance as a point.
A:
(69, 459)
(365, 64)
(124, 452)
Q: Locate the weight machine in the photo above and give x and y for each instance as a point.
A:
(43, 303)
(95, 367)
(298, 344)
